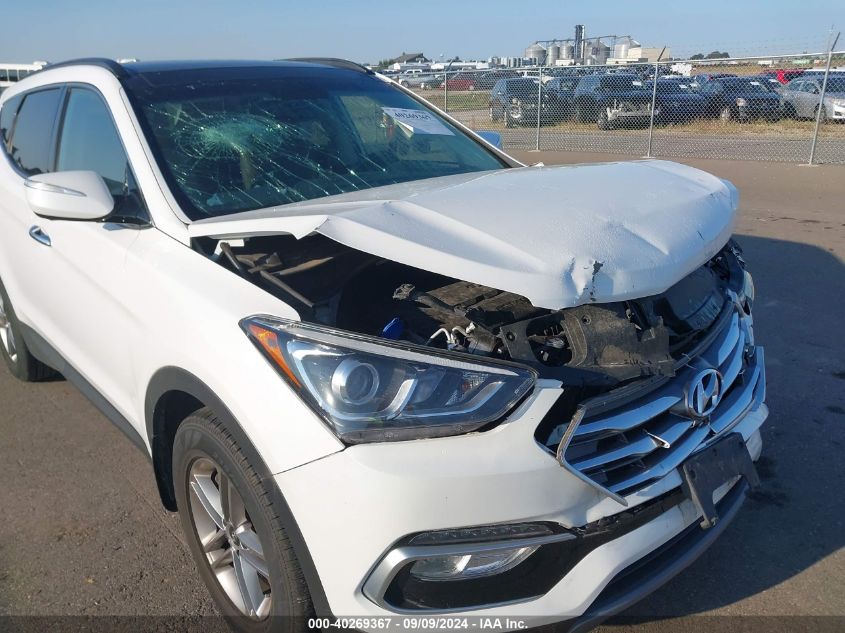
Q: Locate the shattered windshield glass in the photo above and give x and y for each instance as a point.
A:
(273, 138)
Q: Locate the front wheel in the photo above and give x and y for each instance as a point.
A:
(603, 120)
(821, 117)
(20, 361)
(726, 114)
(789, 111)
(234, 531)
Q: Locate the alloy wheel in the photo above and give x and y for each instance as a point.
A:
(228, 539)
(7, 336)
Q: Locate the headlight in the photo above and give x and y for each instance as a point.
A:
(741, 102)
(374, 390)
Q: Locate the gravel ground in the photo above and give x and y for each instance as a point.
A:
(83, 534)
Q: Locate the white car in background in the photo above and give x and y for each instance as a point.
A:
(379, 366)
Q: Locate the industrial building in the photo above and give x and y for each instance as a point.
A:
(583, 50)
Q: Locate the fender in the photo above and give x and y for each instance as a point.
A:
(169, 379)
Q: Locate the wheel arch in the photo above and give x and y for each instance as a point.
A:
(172, 395)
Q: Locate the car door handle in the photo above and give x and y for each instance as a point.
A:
(40, 236)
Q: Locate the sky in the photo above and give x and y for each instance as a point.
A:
(53, 30)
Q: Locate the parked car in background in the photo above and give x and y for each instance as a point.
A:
(462, 81)
(611, 99)
(801, 98)
(560, 92)
(423, 81)
(784, 75)
(702, 78)
(676, 100)
(516, 101)
(740, 98)
(769, 80)
(486, 80)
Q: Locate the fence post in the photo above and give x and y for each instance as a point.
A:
(820, 108)
(653, 104)
(539, 107)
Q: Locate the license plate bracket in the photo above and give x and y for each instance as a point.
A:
(707, 470)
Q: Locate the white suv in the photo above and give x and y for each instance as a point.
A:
(379, 366)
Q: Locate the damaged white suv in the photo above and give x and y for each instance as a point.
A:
(379, 366)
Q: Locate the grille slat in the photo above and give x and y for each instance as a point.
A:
(653, 406)
(669, 429)
(721, 348)
(643, 446)
(664, 465)
(733, 365)
(737, 403)
(645, 439)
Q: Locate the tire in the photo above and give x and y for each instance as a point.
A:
(510, 120)
(423, 86)
(587, 112)
(404, 84)
(493, 117)
(726, 114)
(206, 459)
(581, 114)
(603, 121)
(20, 361)
(789, 111)
(823, 118)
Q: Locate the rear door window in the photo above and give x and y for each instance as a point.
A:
(31, 146)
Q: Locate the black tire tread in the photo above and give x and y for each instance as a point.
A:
(26, 368)
(301, 607)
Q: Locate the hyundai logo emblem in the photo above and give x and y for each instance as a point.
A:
(704, 393)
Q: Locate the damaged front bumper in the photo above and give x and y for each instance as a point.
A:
(606, 546)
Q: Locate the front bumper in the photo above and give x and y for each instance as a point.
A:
(757, 111)
(353, 507)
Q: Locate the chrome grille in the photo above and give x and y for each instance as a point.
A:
(627, 447)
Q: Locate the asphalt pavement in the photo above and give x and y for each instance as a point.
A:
(82, 532)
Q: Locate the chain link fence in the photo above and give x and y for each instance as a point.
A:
(787, 108)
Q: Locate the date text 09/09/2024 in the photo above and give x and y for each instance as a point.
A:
(411, 623)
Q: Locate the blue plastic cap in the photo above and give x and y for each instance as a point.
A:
(394, 329)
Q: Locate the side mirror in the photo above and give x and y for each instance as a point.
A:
(69, 195)
(494, 138)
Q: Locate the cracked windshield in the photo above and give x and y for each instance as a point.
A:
(279, 137)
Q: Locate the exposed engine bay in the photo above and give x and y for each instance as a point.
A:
(597, 345)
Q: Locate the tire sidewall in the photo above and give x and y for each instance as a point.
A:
(191, 443)
(17, 366)
(602, 120)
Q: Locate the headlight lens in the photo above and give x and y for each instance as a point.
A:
(374, 390)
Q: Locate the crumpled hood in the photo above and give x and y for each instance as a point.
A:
(560, 236)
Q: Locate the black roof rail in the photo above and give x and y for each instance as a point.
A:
(101, 62)
(335, 62)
